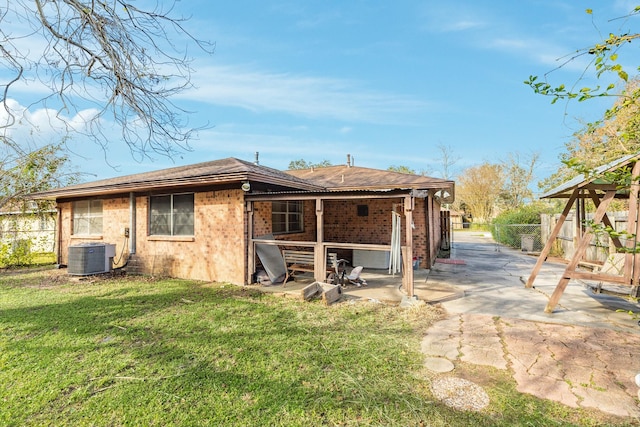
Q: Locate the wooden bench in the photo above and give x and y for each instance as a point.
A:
(303, 261)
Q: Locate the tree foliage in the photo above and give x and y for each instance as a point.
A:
(525, 214)
(303, 164)
(114, 58)
(601, 142)
(479, 189)
(604, 60)
(491, 188)
(36, 170)
(401, 169)
(618, 132)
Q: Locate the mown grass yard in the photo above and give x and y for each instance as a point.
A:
(134, 351)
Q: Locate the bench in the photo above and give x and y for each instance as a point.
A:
(303, 261)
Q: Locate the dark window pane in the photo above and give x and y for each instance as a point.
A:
(160, 218)
(172, 215)
(286, 217)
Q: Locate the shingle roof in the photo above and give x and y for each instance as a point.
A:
(359, 178)
(232, 170)
(223, 171)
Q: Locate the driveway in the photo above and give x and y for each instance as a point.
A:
(585, 354)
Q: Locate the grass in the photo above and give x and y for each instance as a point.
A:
(35, 259)
(133, 351)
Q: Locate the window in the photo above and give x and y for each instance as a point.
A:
(43, 223)
(286, 217)
(87, 217)
(171, 215)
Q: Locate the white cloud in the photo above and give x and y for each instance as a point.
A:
(38, 126)
(300, 95)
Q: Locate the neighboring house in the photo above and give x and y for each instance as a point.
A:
(203, 221)
(31, 230)
(457, 219)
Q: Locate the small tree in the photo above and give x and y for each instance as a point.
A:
(518, 174)
(479, 188)
(447, 160)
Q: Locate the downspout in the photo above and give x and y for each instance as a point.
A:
(58, 233)
(132, 223)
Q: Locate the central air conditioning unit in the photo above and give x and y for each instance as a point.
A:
(90, 258)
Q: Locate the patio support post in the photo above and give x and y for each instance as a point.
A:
(320, 257)
(251, 250)
(407, 279)
(430, 229)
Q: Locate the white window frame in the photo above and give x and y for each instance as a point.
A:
(88, 217)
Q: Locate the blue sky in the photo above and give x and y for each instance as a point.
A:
(385, 81)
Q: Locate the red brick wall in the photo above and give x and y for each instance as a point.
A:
(115, 217)
(262, 222)
(420, 232)
(342, 224)
(216, 252)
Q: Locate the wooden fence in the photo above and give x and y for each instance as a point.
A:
(600, 247)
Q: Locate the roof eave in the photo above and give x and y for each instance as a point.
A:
(175, 183)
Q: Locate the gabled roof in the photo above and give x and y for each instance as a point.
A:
(216, 172)
(343, 177)
(594, 180)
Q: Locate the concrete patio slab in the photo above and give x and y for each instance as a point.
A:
(585, 354)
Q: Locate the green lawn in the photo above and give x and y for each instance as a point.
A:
(143, 352)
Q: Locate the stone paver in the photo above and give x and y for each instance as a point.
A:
(575, 365)
(443, 339)
(439, 364)
(480, 342)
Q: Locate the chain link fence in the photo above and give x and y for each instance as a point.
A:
(526, 237)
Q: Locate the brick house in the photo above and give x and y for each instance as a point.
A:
(203, 221)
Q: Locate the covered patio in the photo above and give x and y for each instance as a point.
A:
(377, 219)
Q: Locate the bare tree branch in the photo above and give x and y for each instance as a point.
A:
(110, 55)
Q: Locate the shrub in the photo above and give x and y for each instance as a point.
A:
(505, 228)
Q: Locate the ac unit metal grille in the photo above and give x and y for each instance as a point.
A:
(86, 259)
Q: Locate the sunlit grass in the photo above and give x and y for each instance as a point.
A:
(138, 351)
